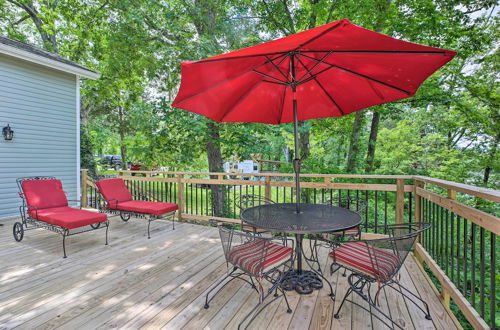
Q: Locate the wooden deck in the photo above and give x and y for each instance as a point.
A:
(161, 283)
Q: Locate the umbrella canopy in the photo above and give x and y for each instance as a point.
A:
(339, 68)
(328, 71)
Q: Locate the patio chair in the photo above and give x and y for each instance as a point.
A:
(332, 239)
(44, 205)
(379, 261)
(243, 202)
(118, 201)
(254, 259)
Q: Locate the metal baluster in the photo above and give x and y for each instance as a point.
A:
(458, 251)
(452, 247)
(465, 259)
(376, 211)
(493, 261)
(482, 249)
(473, 265)
(385, 210)
(366, 209)
(410, 208)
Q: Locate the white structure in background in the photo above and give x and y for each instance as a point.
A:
(234, 165)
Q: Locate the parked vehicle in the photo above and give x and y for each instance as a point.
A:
(114, 161)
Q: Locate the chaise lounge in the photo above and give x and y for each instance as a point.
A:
(44, 205)
(118, 200)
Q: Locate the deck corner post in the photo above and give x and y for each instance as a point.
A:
(180, 195)
(400, 200)
(83, 183)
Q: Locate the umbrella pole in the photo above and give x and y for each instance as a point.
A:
(296, 161)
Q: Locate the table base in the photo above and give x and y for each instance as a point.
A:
(303, 282)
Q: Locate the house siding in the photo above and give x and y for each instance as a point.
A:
(39, 103)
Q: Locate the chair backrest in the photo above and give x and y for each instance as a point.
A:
(42, 192)
(387, 255)
(250, 200)
(240, 246)
(355, 204)
(114, 190)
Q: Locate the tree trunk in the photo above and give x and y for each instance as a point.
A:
(354, 142)
(215, 165)
(372, 142)
(304, 143)
(491, 159)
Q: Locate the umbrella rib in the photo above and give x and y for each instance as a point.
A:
(241, 100)
(362, 76)
(314, 66)
(244, 97)
(322, 88)
(320, 35)
(277, 68)
(225, 81)
(269, 76)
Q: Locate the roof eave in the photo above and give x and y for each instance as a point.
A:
(25, 55)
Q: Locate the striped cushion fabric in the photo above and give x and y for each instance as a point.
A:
(356, 256)
(248, 256)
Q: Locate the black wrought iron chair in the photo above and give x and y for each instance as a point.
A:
(243, 202)
(379, 261)
(332, 239)
(254, 259)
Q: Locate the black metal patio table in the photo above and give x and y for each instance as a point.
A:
(313, 218)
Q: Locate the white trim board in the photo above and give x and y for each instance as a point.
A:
(28, 56)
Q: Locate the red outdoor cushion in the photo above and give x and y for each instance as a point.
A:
(155, 208)
(68, 217)
(114, 191)
(249, 256)
(380, 264)
(44, 194)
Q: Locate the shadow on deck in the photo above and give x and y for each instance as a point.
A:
(135, 282)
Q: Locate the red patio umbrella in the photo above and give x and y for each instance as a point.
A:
(328, 71)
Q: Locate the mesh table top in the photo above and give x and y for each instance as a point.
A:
(313, 218)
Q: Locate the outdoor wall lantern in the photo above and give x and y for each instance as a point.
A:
(8, 133)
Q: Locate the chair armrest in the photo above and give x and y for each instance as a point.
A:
(35, 208)
(110, 200)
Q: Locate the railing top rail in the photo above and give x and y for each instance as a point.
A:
(303, 175)
(489, 194)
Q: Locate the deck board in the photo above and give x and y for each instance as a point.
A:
(161, 283)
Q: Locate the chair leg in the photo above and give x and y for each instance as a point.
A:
(149, 224)
(426, 310)
(65, 233)
(347, 294)
(107, 227)
(215, 286)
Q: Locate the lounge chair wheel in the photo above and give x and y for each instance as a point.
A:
(125, 216)
(95, 225)
(18, 231)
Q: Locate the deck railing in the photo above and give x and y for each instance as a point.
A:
(460, 249)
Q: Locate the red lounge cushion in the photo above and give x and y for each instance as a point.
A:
(114, 190)
(356, 255)
(248, 256)
(68, 217)
(43, 194)
(155, 208)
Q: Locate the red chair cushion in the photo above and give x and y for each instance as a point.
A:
(356, 255)
(249, 256)
(44, 194)
(68, 217)
(155, 208)
(114, 191)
